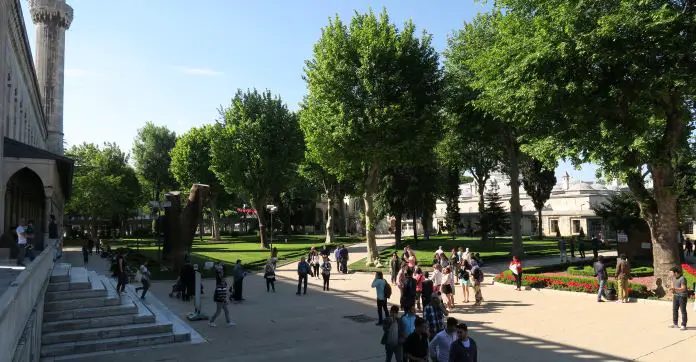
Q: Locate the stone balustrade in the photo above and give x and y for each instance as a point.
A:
(21, 310)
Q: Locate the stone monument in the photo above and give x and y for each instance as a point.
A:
(181, 223)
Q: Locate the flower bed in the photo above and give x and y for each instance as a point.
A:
(573, 284)
(588, 271)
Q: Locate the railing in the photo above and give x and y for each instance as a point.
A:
(21, 310)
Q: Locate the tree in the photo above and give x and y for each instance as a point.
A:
(620, 211)
(328, 184)
(105, 186)
(191, 165)
(604, 82)
(495, 216)
(151, 151)
(538, 181)
(256, 149)
(452, 193)
(372, 103)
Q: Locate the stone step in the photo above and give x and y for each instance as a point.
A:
(62, 305)
(97, 322)
(126, 307)
(110, 344)
(60, 273)
(97, 334)
(79, 280)
(97, 290)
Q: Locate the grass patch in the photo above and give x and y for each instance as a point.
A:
(228, 251)
(491, 251)
(588, 271)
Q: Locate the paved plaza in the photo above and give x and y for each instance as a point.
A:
(522, 326)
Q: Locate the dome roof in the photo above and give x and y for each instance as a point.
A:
(599, 187)
(580, 186)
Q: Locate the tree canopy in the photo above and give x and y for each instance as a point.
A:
(538, 181)
(151, 152)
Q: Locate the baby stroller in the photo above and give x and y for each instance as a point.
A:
(177, 289)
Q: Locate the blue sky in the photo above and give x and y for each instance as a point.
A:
(174, 62)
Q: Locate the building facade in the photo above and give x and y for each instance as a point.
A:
(567, 211)
(36, 177)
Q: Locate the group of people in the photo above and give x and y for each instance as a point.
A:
(563, 245)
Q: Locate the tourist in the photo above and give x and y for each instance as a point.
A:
(467, 255)
(689, 247)
(380, 286)
(326, 273)
(314, 262)
(395, 265)
(337, 255)
(581, 243)
(401, 277)
(476, 257)
(408, 293)
(571, 241)
(595, 246)
(85, 252)
(238, 275)
(477, 275)
(344, 259)
(448, 287)
(30, 239)
(437, 277)
(460, 254)
(324, 251)
(122, 277)
(412, 261)
(434, 313)
(437, 258)
(21, 242)
(516, 268)
(406, 254)
(393, 335)
(274, 257)
(439, 251)
(439, 346)
(419, 277)
(188, 278)
(464, 348)
(679, 298)
(416, 344)
(600, 271)
(623, 273)
(426, 289)
(454, 258)
(90, 245)
(144, 279)
(464, 277)
(220, 296)
(409, 321)
(444, 261)
(302, 272)
(269, 275)
(562, 247)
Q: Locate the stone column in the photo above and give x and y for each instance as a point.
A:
(48, 194)
(6, 8)
(52, 18)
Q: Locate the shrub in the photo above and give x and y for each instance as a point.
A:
(588, 271)
(573, 284)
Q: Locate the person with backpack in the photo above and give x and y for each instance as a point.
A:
(326, 273)
(408, 293)
(600, 271)
(383, 293)
(269, 275)
(394, 336)
(477, 275)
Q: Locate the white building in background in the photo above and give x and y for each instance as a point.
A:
(568, 210)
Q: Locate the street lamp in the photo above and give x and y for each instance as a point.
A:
(271, 209)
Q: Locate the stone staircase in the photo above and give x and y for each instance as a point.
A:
(83, 316)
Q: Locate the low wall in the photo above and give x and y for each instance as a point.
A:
(21, 311)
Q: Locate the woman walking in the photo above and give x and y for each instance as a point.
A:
(145, 279)
(220, 296)
(269, 275)
(395, 266)
(448, 287)
(516, 268)
(464, 277)
(419, 277)
(313, 260)
(121, 275)
(326, 272)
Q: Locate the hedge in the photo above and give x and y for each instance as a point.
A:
(573, 284)
(588, 271)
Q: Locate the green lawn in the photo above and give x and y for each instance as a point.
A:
(492, 250)
(244, 248)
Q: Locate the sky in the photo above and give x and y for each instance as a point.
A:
(175, 62)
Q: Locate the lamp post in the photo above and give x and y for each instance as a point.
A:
(271, 209)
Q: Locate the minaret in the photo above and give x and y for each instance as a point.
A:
(51, 18)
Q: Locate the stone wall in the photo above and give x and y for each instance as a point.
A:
(21, 311)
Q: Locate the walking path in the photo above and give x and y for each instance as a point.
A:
(339, 325)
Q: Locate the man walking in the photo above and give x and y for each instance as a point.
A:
(416, 345)
(238, 275)
(344, 259)
(601, 273)
(679, 297)
(379, 284)
(464, 348)
(562, 248)
(302, 272)
(21, 242)
(623, 272)
(439, 346)
(595, 246)
(477, 274)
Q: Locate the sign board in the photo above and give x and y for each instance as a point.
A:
(621, 237)
(645, 245)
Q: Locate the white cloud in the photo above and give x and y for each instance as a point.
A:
(78, 72)
(204, 72)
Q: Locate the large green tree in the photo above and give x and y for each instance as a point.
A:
(605, 82)
(328, 185)
(191, 164)
(106, 189)
(538, 181)
(256, 149)
(151, 152)
(372, 102)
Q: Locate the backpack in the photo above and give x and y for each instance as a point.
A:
(478, 275)
(387, 290)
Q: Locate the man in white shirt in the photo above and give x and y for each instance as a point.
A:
(439, 250)
(440, 345)
(21, 242)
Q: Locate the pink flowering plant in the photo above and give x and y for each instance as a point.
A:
(573, 284)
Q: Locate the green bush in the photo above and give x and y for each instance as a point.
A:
(588, 271)
(573, 284)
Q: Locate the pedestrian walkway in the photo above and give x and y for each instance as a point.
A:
(495, 268)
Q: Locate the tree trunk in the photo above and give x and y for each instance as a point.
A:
(513, 149)
(415, 227)
(397, 229)
(482, 210)
(539, 225)
(215, 219)
(329, 219)
(425, 220)
(341, 216)
(664, 224)
(262, 227)
(370, 190)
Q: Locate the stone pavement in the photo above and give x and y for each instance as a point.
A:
(521, 326)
